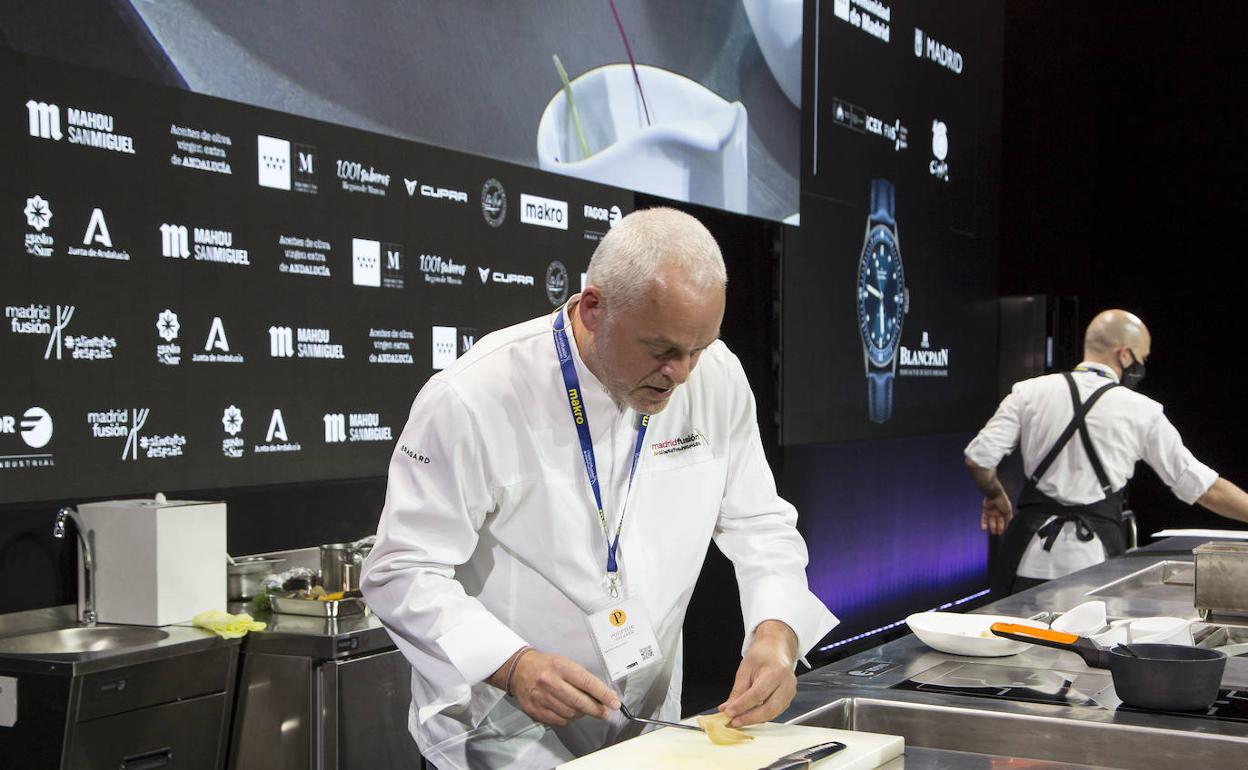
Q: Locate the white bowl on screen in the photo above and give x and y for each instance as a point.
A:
(694, 147)
(967, 634)
(777, 26)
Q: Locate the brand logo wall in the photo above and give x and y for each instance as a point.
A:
(169, 352)
(857, 119)
(556, 283)
(211, 245)
(368, 267)
(493, 202)
(89, 129)
(363, 426)
(97, 236)
(274, 167)
(391, 346)
(232, 446)
(429, 191)
(442, 270)
(543, 212)
(38, 217)
(312, 343)
(217, 346)
(600, 214)
(358, 178)
(937, 52)
(35, 429)
(939, 167)
(276, 439)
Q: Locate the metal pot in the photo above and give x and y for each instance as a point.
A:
(1164, 677)
(245, 577)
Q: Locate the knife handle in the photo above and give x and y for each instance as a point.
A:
(806, 757)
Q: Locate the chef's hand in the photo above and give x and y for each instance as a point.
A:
(765, 683)
(997, 513)
(555, 690)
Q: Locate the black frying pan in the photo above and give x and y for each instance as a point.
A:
(1165, 677)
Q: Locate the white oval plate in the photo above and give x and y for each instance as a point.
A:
(967, 634)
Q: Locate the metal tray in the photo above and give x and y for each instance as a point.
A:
(317, 608)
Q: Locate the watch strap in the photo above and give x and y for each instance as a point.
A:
(880, 395)
(883, 203)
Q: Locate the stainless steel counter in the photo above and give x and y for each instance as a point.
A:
(860, 691)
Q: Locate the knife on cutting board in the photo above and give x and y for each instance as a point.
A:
(800, 760)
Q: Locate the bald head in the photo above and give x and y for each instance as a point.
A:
(1114, 337)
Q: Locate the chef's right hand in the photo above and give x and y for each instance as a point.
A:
(555, 690)
(996, 514)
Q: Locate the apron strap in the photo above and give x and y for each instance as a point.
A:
(1077, 424)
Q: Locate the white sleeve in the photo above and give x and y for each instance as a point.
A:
(436, 500)
(999, 436)
(757, 530)
(1163, 450)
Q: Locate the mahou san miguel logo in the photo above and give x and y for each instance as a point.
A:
(96, 130)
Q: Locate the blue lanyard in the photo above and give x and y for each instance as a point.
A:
(1097, 372)
(572, 388)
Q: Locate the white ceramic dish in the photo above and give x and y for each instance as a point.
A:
(1083, 620)
(967, 634)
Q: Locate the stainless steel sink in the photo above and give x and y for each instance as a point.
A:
(80, 639)
(1163, 581)
(1029, 736)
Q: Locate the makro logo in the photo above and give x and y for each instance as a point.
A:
(939, 166)
(926, 45)
(39, 218)
(600, 214)
(89, 129)
(306, 342)
(544, 212)
(97, 241)
(274, 168)
(357, 426)
(493, 202)
(169, 352)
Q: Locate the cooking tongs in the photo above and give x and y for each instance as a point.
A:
(629, 715)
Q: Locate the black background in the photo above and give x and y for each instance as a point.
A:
(947, 230)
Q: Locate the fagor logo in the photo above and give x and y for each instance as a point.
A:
(543, 212)
(36, 427)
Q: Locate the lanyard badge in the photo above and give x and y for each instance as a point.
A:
(572, 389)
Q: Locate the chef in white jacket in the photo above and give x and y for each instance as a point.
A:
(550, 503)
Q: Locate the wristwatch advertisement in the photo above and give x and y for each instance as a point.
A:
(882, 298)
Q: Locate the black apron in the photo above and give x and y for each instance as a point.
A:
(1103, 517)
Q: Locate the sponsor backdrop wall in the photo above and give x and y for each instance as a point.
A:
(204, 294)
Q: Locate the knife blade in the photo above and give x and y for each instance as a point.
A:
(806, 757)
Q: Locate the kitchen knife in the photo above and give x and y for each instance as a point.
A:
(799, 760)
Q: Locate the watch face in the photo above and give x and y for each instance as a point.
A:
(881, 295)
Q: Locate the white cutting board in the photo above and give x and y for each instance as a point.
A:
(669, 747)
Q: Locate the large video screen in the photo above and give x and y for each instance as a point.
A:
(709, 114)
(203, 294)
(889, 326)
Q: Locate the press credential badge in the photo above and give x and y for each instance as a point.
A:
(624, 637)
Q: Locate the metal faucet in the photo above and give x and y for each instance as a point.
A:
(87, 617)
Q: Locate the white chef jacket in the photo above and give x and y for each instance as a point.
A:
(490, 539)
(1126, 426)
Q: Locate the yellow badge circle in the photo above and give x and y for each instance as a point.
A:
(617, 618)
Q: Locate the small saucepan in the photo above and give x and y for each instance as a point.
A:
(1164, 677)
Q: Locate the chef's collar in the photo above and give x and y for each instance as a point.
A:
(594, 392)
(1099, 368)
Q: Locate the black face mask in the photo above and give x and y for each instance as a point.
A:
(1132, 375)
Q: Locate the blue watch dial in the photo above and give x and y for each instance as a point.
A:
(881, 295)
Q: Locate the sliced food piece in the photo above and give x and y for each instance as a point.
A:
(717, 729)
